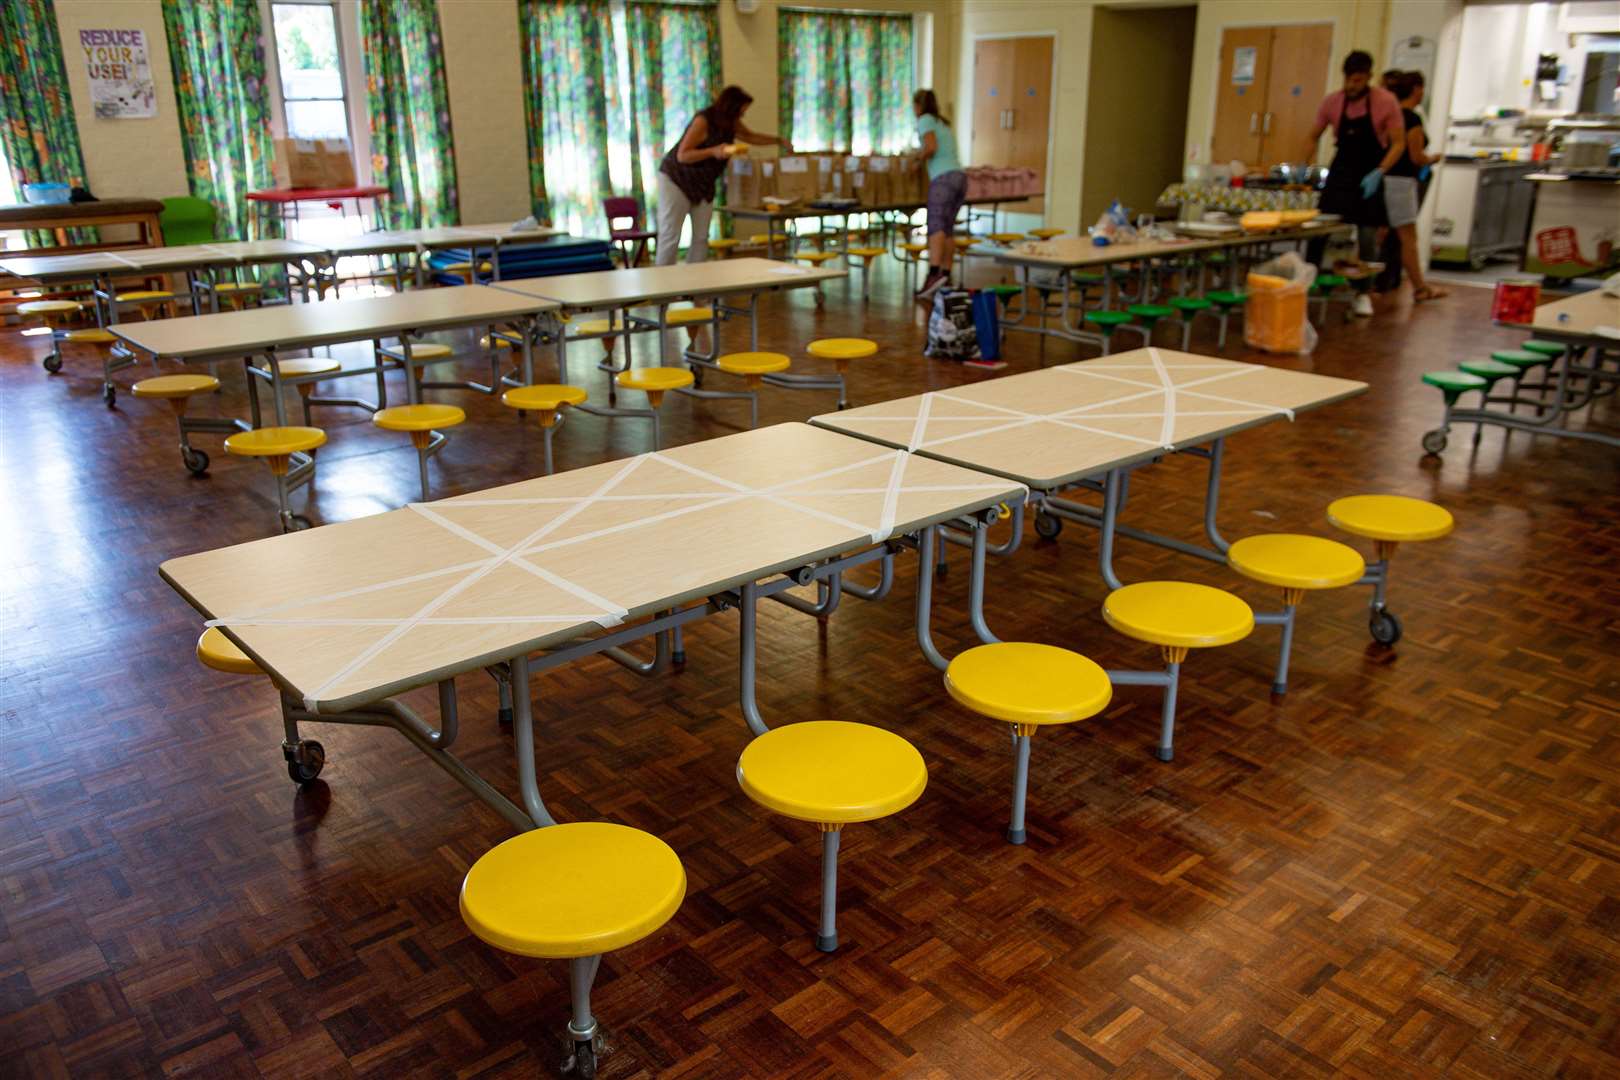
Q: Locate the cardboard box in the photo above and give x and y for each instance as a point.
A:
(314, 163)
(829, 173)
(797, 178)
(880, 179)
(767, 179)
(742, 182)
(911, 189)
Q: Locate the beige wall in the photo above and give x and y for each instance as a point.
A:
(1132, 152)
(748, 48)
(124, 158)
(1069, 23)
(484, 73)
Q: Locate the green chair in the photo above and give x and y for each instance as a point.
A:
(187, 219)
(1106, 323)
(1452, 385)
(1491, 371)
(1148, 315)
(1226, 302)
(1187, 308)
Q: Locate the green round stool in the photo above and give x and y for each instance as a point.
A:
(1149, 315)
(1226, 302)
(1491, 371)
(1188, 308)
(1550, 349)
(1326, 283)
(1106, 323)
(1004, 293)
(1452, 385)
(1523, 361)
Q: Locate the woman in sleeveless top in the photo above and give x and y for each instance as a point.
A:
(688, 173)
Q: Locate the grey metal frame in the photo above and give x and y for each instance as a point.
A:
(1575, 385)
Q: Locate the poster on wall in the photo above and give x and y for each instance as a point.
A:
(120, 78)
(1243, 63)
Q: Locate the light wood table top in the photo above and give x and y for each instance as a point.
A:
(51, 268)
(1052, 427)
(1070, 252)
(1581, 316)
(329, 322)
(655, 284)
(349, 613)
(397, 241)
(158, 259)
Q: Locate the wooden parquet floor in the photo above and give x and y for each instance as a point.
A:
(1410, 867)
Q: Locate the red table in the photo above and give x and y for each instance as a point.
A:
(336, 198)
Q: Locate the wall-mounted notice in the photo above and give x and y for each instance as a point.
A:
(120, 79)
(1243, 61)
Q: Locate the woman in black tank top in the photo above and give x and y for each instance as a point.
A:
(688, 173)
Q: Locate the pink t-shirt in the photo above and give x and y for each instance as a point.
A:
(1386, 111)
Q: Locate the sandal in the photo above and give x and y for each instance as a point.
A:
(1429, 292)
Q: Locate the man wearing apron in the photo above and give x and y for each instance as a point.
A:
(1370, 136)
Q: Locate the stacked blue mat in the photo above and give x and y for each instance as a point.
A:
(543, 258)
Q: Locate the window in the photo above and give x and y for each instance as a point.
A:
(311, 66)
(846, 81)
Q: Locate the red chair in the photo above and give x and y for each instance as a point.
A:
(631, 241)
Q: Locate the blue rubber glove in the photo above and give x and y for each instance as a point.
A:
(1424, 173)
(1370, 182)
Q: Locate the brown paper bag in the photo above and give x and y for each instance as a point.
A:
(797, 178)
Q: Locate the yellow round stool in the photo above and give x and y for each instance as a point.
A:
(464, 270)
(722, 245)
(219, 652)
(54, 314)
(496, 342)
(606, 331)
(305, 757)
(655, 382)
(1045, 233)
(101, 340)
(753, 367)
(913, 254)
(841, 351)
(1297, 564)
(306, 367)
(1388, 521)
(150, 302)
(550, 400)
(422, 422)
(1007, 239)
(238, 294)
(277, 445)
(1029, 686)
(684, 316)
(833, 773)
(573, 892)
(1176, 616)
(177, 391)
(866, 255)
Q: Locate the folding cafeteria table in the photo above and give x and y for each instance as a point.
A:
(269, 332)
(421, 241)
(616, 291)
(785, 215)
(346, 617)
(1065, 255)
(1588, 326)
(1088, 425)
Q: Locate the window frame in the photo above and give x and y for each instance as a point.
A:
(344, 97)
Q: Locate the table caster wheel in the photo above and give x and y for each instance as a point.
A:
(295, 523)
(195, 461)
(1384, 627)
(1434, 442)
(52, 363)
(109, 394)
(1047, 526)
(305, 760)
(584, 1055)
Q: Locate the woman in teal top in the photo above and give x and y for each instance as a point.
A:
(947, 187)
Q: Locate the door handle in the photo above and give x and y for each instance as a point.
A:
(1254, 123)
(1266, 127)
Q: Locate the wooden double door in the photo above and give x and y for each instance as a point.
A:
(1012, 103)
(1272, 80)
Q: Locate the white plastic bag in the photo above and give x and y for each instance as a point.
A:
(1276, 317)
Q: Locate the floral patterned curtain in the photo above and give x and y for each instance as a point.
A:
(845, 81)
(216, 50)
(674, 60)
(37, 129)
(609, 88)
(412, 152)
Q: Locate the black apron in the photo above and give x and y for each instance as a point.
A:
(1357, 153)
